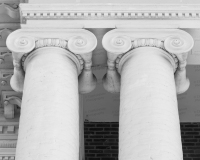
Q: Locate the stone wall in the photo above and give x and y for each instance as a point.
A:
(101, 140)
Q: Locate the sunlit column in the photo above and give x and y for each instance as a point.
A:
(47, 74)
(152, 73)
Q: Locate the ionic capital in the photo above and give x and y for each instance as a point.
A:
(119, 42)
(78, 43)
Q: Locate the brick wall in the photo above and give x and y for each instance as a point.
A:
(190, 133)
(101, 141)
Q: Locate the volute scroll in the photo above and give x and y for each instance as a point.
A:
(19, 46)
(83, 47)
(180, 46)
(78, 42)
(176, 43)
(115, 46)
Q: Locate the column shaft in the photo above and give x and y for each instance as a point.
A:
(49, 122)
(149, 123)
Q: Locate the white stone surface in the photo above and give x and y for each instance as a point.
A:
(49, 122)
(119, 1)
(149, 122)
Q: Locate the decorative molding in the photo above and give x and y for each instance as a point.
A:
(120, 42)
(5, 75)
(3, 55)
(8, 143)
(9, 106)
(7, 157)
(148, 42)
(9, 95)
(51, 43)
(11, 10)
(108, 12)
(78, 42)
(10, 101)
(5, 58)
(3, 36)
(9, 131)
(6, 153)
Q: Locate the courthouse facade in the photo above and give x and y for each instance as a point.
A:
(61, 60)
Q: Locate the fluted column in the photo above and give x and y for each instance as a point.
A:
(46, 71)
(148, 68)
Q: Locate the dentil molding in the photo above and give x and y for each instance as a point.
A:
(78, 43)
(119, 42)
(108, 11)
(103, 12)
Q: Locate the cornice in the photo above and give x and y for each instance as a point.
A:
(119, 44)
(108, 11)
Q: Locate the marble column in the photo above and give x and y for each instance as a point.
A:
(148, 107)
(47, 74)
(149, 126)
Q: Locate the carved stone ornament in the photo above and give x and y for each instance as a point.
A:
(9, 106)
(78, 43)
(99, 15)
(119, 42)
(103, 11)
(11, 10)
